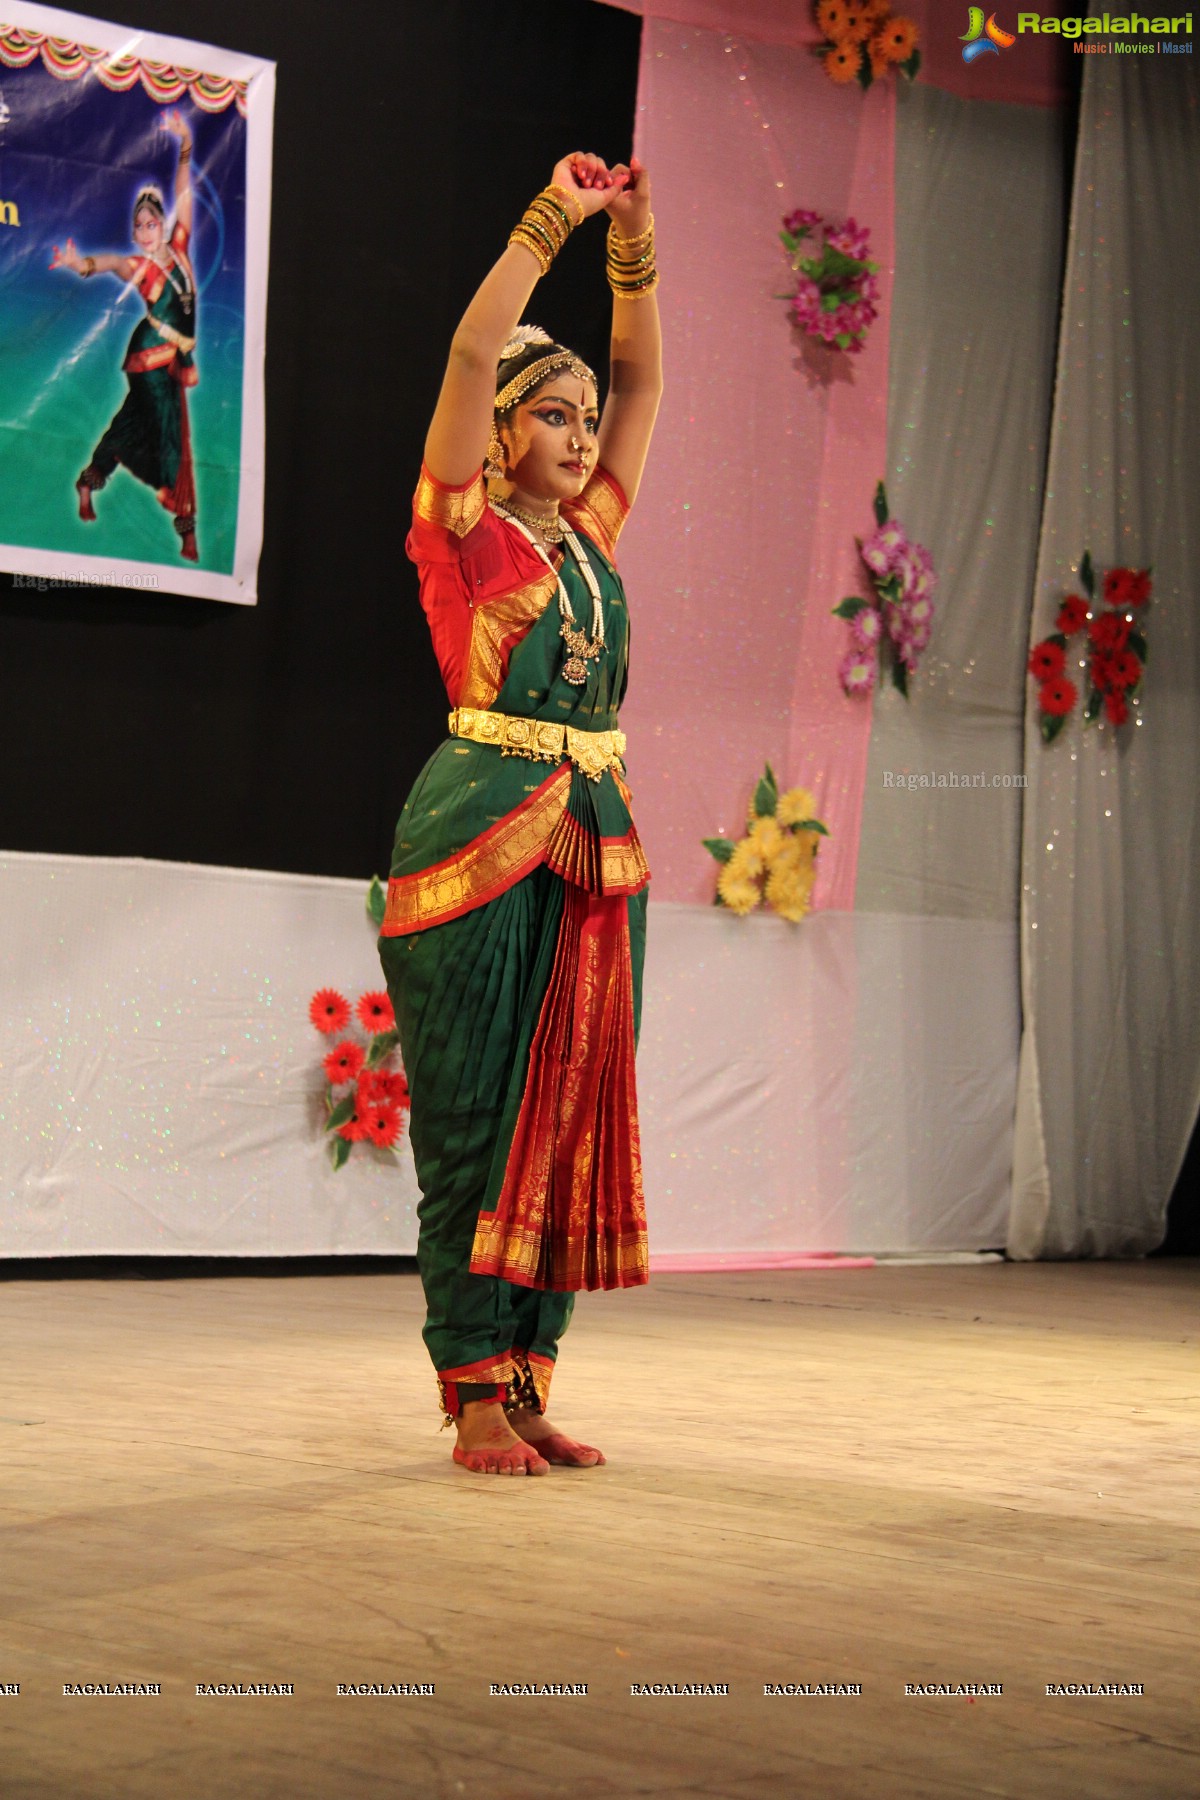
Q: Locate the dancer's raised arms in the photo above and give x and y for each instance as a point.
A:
(462, 420)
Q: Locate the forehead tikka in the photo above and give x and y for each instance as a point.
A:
(537, 372)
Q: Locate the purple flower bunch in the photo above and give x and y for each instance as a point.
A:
(836, 290)
(898, 622)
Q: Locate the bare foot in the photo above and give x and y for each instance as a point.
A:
(555, 1446)
(487, 1445)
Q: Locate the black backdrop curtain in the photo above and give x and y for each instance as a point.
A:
(408, 138)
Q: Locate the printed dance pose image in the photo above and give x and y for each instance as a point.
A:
(513, 940)
(149, 435)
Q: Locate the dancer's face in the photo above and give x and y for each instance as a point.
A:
(147, 230)
(551, 438)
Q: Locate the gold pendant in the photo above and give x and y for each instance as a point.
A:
(574, 670)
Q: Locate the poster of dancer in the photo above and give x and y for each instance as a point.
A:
(134, 213)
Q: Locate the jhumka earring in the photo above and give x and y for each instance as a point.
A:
(493, 462)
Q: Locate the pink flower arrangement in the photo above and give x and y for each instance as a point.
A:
(897, 622)
(836, 290)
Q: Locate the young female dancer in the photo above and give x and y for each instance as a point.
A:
(515, 927)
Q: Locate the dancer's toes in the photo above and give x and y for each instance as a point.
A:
(515, 1460)
(539, 1435)
(557, 1448)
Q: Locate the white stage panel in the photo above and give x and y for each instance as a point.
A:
(846, 1084)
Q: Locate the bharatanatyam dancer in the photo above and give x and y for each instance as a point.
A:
(515, 927)
(150, 433)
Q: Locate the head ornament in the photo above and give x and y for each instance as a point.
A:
(522, 339)
(151, 197)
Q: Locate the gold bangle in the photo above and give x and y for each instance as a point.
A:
(89, 266)
(553, 222)
(634, 287)
(568, 196)
(638, 237)
(545, 226)
(519, 235)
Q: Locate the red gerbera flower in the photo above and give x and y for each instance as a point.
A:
(1102, 671)
(355, 1129)
(383, 1125)
(375, 1013)
(1115, 708)
(343, 1062)
(1072, 614)
(1057, 697)
(328, 1010)
(386, 1085)
(1109, 632)
(1126, 587)
(1126, 669)
(1114, 586)
(1046, 660)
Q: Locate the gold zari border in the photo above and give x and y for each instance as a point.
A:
(600, 513)
(485, 867)
(455, 509)
(493, 625)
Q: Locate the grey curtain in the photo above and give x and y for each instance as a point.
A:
(1109, 1081)
(979, 243)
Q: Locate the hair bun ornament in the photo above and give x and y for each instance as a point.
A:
(521, 339)
(152, 197)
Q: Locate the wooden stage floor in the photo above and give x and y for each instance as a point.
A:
(937, 1476)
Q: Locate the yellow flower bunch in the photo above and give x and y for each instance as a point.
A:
(775, 861)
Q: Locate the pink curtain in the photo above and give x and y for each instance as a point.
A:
(1033, 71)
(767, 454)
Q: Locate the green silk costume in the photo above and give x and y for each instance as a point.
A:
(512, 949)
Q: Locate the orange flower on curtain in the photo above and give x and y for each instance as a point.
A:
(864, 40)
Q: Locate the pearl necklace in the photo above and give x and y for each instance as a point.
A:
(583, 649)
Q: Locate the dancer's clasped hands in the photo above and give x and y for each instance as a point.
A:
(590, 179)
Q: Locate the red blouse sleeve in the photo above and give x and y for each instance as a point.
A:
(466, 558)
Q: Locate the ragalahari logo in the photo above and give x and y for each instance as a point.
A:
(982, 39)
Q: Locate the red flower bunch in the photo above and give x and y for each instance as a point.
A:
(1116, 650)
(372, 1109)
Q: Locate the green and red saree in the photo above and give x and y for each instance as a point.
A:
(150, 434)
(513, 946)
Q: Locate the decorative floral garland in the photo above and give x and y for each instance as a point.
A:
(366, 1093)
(68, 61)
(898, 622)
(776, 860)
(1116, 650)
(865, 40)
(836, 291)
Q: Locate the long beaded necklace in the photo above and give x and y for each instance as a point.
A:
(582, 648)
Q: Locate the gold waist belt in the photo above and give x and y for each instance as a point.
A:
(541, 739)
(172, 336)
